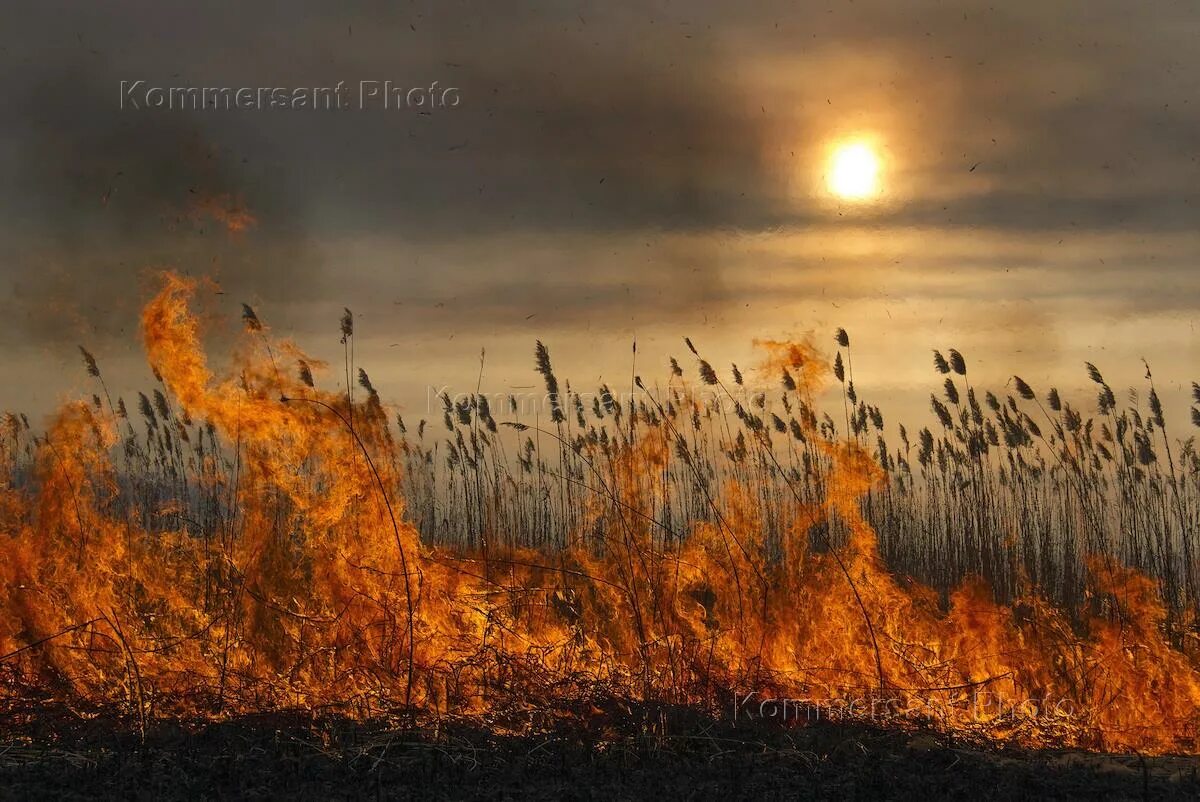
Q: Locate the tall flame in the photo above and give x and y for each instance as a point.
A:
(276, 568)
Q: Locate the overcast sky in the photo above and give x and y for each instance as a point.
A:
(611, 171)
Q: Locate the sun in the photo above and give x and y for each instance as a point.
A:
(853, 171)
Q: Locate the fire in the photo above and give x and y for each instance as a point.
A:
(251, 550)
(226, 209)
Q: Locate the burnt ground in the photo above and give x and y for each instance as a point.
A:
(63, 755)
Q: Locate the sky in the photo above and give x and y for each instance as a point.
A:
(611, 172)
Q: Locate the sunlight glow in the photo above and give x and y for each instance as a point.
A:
(853, 172)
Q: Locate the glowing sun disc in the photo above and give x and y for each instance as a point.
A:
(853, 171)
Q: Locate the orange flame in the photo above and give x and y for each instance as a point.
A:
(226, 209)
(297, 581)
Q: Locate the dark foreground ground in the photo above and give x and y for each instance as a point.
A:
(302, 757)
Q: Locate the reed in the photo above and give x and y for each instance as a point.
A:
(262, 541)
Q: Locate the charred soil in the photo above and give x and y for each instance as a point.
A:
(65, 754)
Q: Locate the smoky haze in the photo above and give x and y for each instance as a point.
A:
(612, 169)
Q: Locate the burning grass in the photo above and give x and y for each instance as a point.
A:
(252, 543)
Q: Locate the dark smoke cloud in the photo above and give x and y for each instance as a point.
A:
(589, 120)
(98, 196)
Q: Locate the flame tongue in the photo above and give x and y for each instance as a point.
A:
(247, 552)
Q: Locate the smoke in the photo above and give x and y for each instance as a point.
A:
(99, 196)
(585, 122)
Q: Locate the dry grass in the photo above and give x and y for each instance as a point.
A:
(667, 542)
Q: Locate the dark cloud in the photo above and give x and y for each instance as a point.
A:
(592, 117)
(587, 120)
(97, 196)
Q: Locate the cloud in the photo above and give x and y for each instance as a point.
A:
(589, 121)
(98, 196)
